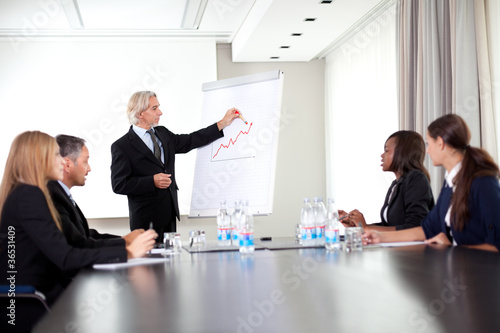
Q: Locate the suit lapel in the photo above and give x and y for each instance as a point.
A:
(83, 220)
(141, 147)
(76, 211)
(164, 141)
(389, 198)
(388, 195)
(395, 191)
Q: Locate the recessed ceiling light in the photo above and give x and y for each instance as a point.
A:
(310, 19)
(274, 58)
(326, 1)
(284, 46)
(296, 34)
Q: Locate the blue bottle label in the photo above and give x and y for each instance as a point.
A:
(246, 239)
(320, 231)
(332, 236)
(308, 233)
(223, 234)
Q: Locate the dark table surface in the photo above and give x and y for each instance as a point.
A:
(405, 289)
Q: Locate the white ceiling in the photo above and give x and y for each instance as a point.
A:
(259, 30)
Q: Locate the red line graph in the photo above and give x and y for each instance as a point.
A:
(231, 140)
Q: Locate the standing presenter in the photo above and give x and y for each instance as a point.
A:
(142, 165)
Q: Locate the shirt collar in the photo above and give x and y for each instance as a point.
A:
(449, 176)
(139, 130)
(65, 188)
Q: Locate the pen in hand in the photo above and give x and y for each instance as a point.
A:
(150, 227)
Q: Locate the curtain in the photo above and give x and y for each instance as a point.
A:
(424, 68)
(361, 113)
(485, 42)
(492, 11)
(444, 66)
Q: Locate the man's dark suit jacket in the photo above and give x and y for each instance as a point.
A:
(411, 202)
(42, 254)
(134, 164)
(74, 224)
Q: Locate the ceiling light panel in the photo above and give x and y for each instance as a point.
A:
(275, 29)
(132, 14)
(32, 16)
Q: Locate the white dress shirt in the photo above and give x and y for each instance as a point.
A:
(148, 140)
(449, 181)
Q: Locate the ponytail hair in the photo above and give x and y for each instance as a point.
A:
(476, 163)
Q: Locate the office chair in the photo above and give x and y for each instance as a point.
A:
(28, 307)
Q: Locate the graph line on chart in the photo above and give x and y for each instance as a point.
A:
(231, 141)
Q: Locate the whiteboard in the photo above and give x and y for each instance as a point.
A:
(81, 87)
(242, 164)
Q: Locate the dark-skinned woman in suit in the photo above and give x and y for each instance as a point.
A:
(409, 198)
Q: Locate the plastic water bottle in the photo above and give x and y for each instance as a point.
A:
(223, 225)
(325, 220)
(332, 234)
(307, 228)
(319, 220)
(246, 230)
(235, 222)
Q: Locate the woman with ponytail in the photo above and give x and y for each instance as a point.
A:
(467, 211)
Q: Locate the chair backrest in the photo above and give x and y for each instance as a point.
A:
(22, 307)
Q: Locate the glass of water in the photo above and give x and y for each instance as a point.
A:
(172, 242)
(353, 241)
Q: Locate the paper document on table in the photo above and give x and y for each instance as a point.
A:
(130, 263)
(398, 244)
(164, 252)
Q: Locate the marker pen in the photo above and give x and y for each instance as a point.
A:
(150, 227)
(239, 115)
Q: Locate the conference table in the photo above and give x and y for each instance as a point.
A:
(283, 287)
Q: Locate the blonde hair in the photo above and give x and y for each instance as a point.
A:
(138, 103)
(30, 161)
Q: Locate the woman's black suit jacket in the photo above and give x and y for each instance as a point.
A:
(43, 257)
(411, 202)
